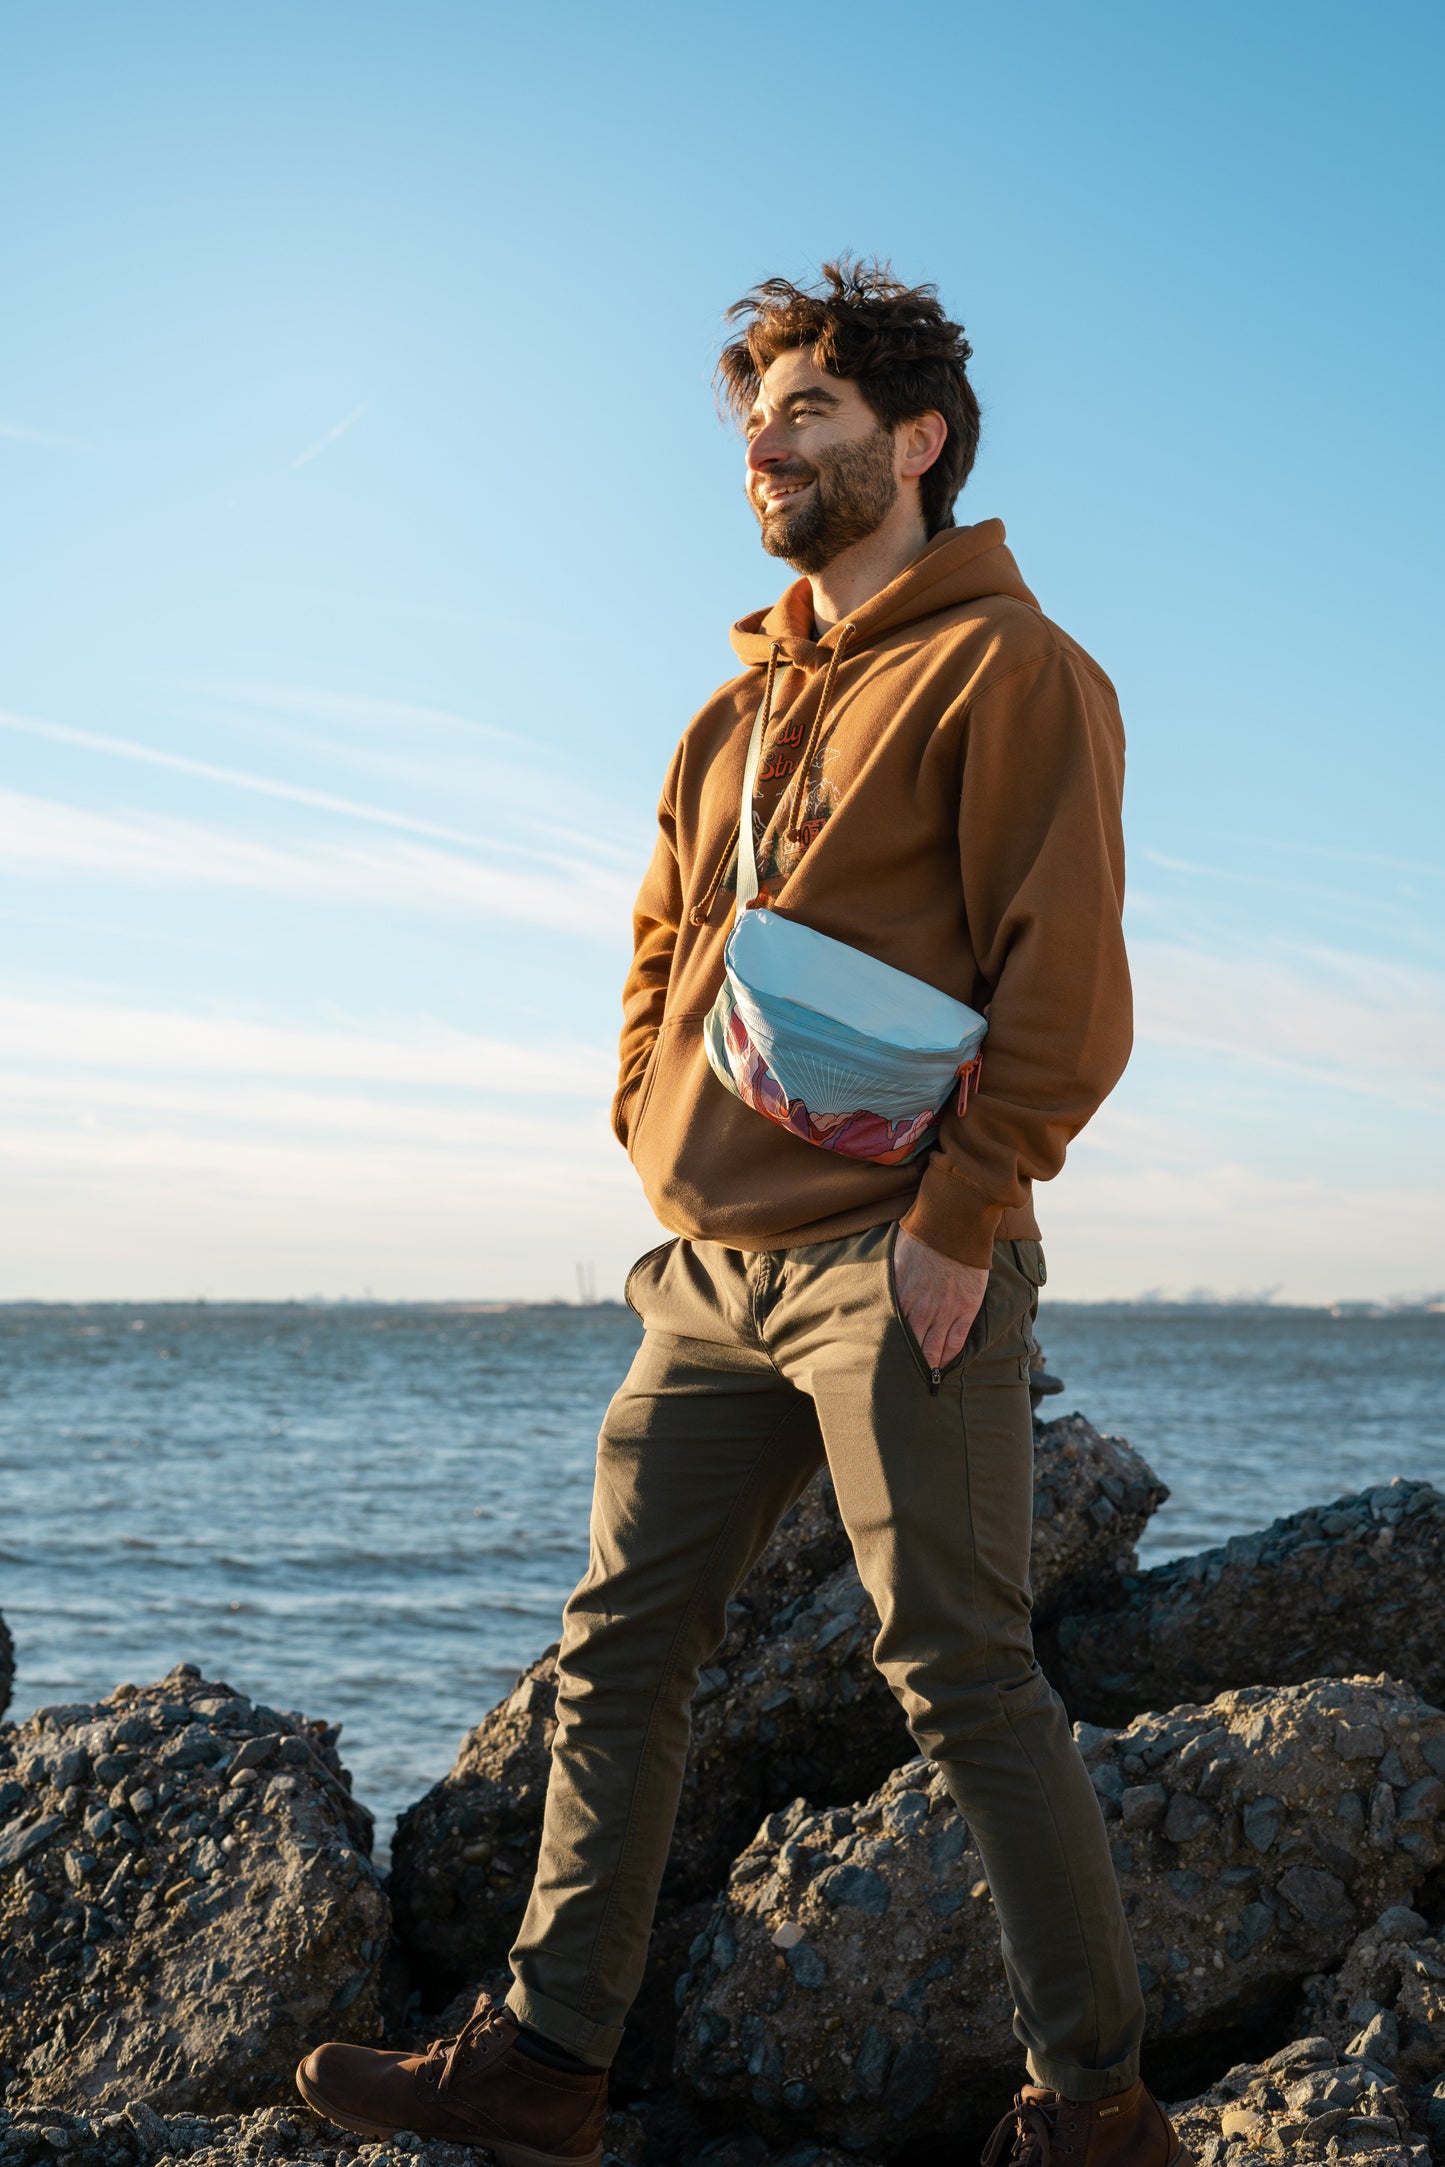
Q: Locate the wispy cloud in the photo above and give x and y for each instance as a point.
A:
(1354, 857)
(1352, 1023)
(348, 710)
(443, 752)
(14, 433)
(152, 1153)
(164, 1202)
(338, 429)
(93, 1036)
(1235, 877)
(41, 837)
(1116, 1226)
(268, 786)
(58, 1101)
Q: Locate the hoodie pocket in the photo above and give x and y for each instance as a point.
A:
(644, 1093)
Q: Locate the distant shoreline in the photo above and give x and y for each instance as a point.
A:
(1432, 1305)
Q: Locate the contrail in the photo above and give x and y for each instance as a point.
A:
(338, 429)
(18, 435)
(326, 801)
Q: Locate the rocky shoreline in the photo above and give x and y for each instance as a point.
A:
(187, 1899)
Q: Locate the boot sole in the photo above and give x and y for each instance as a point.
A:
(509, 2153)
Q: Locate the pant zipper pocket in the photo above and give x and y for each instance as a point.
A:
(933, 1378)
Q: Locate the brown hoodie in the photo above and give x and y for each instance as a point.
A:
(958, 817)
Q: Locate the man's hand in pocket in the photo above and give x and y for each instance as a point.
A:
(939, 1299)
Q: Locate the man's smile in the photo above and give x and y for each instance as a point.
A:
(771, 494)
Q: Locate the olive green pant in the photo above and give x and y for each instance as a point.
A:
(753, 1367)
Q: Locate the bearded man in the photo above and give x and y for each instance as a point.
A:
(938, 778)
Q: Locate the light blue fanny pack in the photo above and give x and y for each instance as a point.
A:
(842, 1050)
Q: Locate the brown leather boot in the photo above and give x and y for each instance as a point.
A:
(478, 2088)
(1129, 2129)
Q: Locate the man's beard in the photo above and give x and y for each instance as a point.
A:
(854, 491)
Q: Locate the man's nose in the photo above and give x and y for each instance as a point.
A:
(766, 449)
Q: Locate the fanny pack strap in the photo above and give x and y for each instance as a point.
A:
(747, 849)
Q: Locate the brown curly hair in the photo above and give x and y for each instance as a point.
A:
(892, 340)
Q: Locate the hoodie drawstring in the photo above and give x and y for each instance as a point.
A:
(700, 912)
(794, 828)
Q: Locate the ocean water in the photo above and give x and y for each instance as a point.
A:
(375, 1514)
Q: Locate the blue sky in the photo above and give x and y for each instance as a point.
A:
(369, 536)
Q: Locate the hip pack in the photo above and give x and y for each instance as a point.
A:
(842, 1050)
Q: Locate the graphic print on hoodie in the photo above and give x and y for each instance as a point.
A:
(780, 851)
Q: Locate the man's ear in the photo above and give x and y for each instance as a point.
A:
(922, 438)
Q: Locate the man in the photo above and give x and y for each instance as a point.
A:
(939, 788)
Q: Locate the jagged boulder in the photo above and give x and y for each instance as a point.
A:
(186, 1901)
(766, 1719)
(7, 1666)
(1308, 2102)
(463, 1855)
(1387, 1999)
(1093, 1496)
(136, 2136)
(1340, 1590)
(850, 1973)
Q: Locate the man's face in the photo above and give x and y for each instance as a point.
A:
(821, 469)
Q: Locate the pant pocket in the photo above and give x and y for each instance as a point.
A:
(653, 1256)
(933, 1378)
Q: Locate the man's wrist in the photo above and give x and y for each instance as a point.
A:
(950, 1215)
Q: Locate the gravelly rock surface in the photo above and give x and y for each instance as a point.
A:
(1340, 1590)
(138, 2137)
(186, 1903)
(792, 1704)
(1387, 1999)
(1307, 2102)
(7, 1666)
(850, 1979)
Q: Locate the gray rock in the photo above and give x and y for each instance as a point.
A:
(1080, 1549)
(463, 1856)
(1430, 2104)
(7, 1666)
(1343, 1589)
(1225, 1932)
(791, 1704)
(180, 1954)
(1042, 1384)
(1305, 2103)
(1386, 1999)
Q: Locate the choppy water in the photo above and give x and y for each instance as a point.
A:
(375, 1514)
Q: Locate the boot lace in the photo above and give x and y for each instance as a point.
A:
(1030, 2123)
(449, 2058)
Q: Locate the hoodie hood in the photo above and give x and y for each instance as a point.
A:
(960, 564)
